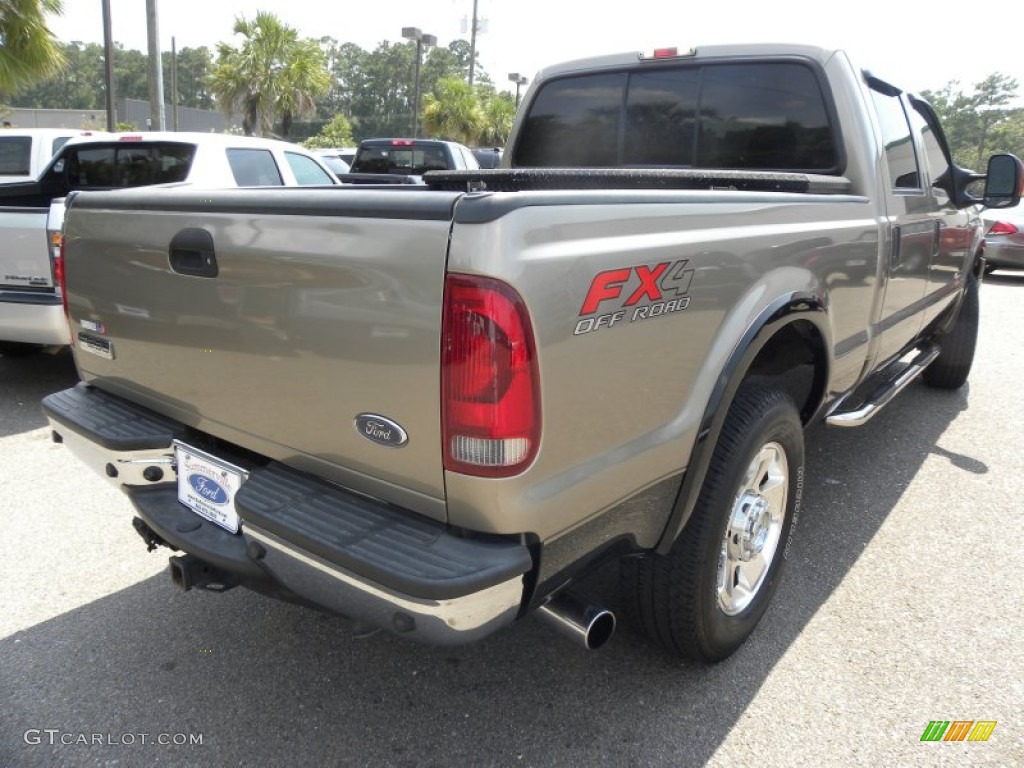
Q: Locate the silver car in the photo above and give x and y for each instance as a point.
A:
(1004, 238)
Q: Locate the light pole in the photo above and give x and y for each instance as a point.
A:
(156, 70)
(519, 80)
(108, 67)
(422, 41)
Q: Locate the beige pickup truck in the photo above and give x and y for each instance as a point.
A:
(434, 408)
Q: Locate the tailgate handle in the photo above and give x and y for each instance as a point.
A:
(191, 253)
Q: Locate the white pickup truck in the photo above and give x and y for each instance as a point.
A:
(31, 213)
(24, 152)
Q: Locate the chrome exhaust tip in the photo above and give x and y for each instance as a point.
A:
(589, 625)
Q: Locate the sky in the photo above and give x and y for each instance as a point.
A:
(915, 44)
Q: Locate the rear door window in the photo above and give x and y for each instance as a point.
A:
(757, 116)
(933, 157)
(900, 155)
(254, 168)
(306, 170)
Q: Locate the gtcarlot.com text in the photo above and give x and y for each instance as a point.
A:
(55, 736)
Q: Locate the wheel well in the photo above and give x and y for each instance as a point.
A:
(794, 360)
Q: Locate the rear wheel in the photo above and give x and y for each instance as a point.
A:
(703, 599)
(951, 368)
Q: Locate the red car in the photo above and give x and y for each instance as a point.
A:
(1004, 238)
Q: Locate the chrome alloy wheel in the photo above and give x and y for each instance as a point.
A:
(751, 541)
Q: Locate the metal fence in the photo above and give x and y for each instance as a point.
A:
(133, 111)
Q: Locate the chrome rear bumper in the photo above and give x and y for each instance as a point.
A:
(351, 554)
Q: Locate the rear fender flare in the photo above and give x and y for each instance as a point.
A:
(790, 308)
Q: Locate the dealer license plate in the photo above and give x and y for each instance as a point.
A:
(207, 485)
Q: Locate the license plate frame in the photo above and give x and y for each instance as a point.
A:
(207, 485)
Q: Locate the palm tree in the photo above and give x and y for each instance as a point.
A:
(453, 112)
(499, 112)
(304, 77)
(28, 49)
(271, 73)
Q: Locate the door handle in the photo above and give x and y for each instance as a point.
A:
(191, 253)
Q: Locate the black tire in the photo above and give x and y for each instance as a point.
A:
(18, 348)
(679, 599)
(950, 369)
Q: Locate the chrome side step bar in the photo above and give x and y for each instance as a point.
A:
(882, 395)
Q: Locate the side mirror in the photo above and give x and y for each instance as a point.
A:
(1004, 181)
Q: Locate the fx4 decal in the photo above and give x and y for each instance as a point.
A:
(662, 287)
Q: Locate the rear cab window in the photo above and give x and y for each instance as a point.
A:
(403, 159)
(125, 164)
(762, 115)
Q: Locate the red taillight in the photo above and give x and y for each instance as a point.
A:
(133, 137)
(490, 407)
(402, 142)
(60, 280)
(666, 53)
(1003, 228)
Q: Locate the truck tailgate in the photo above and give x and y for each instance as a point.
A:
(303, 324)
(24, 257)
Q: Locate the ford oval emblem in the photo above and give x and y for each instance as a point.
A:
(381, 430)
(208, 490)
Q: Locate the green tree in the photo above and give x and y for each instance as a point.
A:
(194, 68)
(451, 62)
(271, 73)
(499, 112)
(453, 112)
(131, 73)
(28, 49)
(980, 122)
(376, 89)
(384, 107)
(80, 84)
(303, 78)
(336, 133)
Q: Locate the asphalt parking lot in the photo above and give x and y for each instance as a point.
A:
(903, 603)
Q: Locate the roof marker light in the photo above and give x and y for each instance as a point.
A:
(668, 53)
